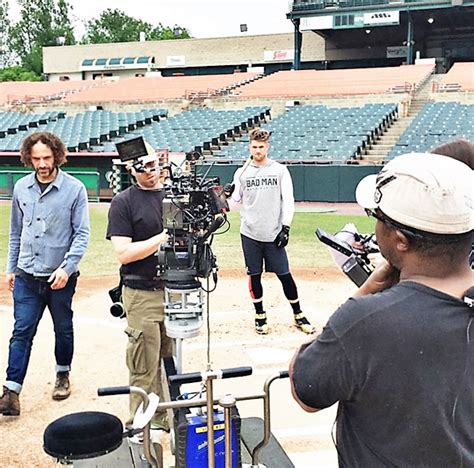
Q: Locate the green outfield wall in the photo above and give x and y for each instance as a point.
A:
(315, 182)
(312, 182)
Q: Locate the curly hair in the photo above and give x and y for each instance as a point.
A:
(47, 138)
(259, 134)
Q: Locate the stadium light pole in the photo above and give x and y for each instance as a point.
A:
(410, 41)
(298, 36)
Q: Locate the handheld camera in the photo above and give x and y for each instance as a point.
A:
(117, 309)
(354, 263)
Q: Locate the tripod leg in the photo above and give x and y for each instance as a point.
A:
(170, 393)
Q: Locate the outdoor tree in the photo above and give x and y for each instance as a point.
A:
(42, 23)
(15, 73)
(5, 54)
(115, 26)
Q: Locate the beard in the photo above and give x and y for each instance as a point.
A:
(150, 182)
(46, 171)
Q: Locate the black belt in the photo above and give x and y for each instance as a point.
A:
(44, 279)
(143, 282)
(140, 278)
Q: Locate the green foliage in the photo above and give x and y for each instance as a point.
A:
(18, 74)
(42, 23)
(165, 33)
(46, 23)
(113, 25)
(5, 53)
(304, 250)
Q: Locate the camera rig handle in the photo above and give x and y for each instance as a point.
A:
(107, 391)
(192, 377)
(142, 418)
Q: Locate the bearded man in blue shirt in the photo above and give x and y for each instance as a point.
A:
(49, 232)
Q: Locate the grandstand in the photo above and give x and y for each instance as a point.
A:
(322, 135)
(322, 121)
(435, 124)
(154, 89)
(459, 78)
(301, 83)
(298, 84)
(36, 92)
(97, 131)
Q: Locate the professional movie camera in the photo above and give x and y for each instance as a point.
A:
(194, 208)
(350, 251)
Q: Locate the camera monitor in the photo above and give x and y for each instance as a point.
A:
(334, 242)
(132, 149)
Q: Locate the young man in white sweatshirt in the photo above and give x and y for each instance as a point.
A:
(265, 190)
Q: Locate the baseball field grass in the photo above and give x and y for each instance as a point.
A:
(304, 250)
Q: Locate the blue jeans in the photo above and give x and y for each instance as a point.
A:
(30, 298)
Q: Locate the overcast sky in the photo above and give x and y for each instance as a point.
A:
(203, 18)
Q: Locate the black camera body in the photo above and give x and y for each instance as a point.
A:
(194, 207)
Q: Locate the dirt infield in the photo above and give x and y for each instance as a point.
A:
(99, 361)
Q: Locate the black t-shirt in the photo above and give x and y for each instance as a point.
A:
(137, 214)
(401, 367)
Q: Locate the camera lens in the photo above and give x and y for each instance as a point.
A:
(117, 310)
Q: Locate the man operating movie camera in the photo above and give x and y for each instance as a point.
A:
(161, 229)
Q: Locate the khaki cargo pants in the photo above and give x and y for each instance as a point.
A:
(147, 344)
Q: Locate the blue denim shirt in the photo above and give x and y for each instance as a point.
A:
(48, 230)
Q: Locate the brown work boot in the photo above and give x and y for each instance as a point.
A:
(9, 403)
(62, 387)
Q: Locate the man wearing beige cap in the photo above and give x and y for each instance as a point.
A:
(398, 355)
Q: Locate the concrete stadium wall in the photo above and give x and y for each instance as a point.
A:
(278, 105)
(173, 107)
(223, 51)
(463, 97)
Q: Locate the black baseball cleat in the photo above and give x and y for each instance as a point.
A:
(261, 326)
(303, 323)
